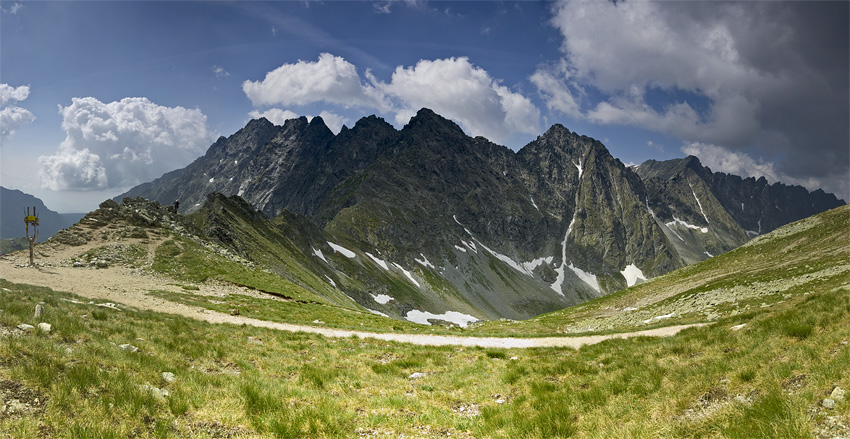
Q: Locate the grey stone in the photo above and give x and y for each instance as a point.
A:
(838, 394)
(128, 347)
(26, 328)
(416, 375)
(829, 403)
(169, 377)
(156, 391)
(45, 327)
(39, 310)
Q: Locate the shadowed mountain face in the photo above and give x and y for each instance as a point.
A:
(440, 221)
(13, 206)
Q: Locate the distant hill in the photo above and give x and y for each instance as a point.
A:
(13, 205)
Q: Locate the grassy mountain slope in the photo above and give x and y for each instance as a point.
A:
(772, 364)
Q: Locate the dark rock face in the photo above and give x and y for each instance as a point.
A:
(740, 207)
(461, 223)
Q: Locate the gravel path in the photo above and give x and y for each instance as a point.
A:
(130, 287)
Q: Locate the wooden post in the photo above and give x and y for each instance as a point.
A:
(31, 219)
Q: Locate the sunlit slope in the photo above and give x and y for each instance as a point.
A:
(810, 256)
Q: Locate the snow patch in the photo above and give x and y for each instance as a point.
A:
(464, 227)
(530, 266)
(379, 261)
(342, 250)
(455, 317)
(331, 281)
(408, 274)
(632, 273)
(383, 299)
(690, 226)
(524, 267)
(212, 179)
(751, 233)
(657, 318)
(319, 254)
(708, 254)
(376, 312)
(588, 278)
(559, 280)
(699, 204)
(424, 262)
(534, 204)
(580, 170)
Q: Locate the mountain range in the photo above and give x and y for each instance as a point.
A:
(13, 206)
(428, 221)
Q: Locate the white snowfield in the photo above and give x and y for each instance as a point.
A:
(424, 262)
(586, 277)
(455, 317)
(690, 226)
(408, 274)
(632, 273)
(319, 254)
(379, 261)
(383, 299)
(342, 250)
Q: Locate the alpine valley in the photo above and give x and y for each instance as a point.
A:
(429, 224)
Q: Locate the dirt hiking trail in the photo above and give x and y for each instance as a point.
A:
(130, 286)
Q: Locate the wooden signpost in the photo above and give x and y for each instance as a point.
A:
(31, 219)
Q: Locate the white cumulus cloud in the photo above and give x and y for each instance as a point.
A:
(452, 87)
(456, 89)
(13, 117)
(122, 143)
(330, 79)
(721, 159)
(279, 116)
(276, 116)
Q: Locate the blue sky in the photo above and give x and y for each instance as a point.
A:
(96, 97)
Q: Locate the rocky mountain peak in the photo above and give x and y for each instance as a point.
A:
(427, 121)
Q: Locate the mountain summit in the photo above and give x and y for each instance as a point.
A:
(432, 220)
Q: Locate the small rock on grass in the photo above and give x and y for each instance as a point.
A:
(416, 375)
(26, 328)
(838, 394)
(45, 327)
(169, 377)
(39, 310)
(128, 347)
(829, 403)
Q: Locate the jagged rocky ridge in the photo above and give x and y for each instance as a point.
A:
(440, 221)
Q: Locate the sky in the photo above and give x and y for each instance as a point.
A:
(97, 97)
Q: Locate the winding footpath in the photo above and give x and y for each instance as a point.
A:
(130, 288)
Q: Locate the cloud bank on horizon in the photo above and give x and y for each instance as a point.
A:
(123, 143)
(752, 88)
